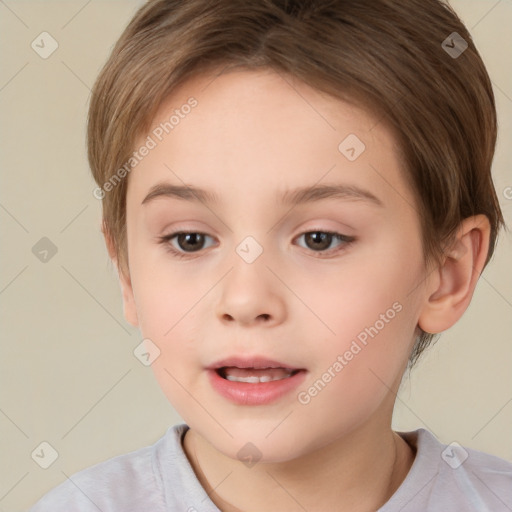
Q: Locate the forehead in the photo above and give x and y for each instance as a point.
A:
(262, 132)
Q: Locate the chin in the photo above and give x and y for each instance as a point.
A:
(253, 446)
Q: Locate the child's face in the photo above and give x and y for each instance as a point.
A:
(346, 319)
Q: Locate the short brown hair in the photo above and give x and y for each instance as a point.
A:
(386, 56)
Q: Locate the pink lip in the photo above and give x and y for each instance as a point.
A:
(250, 362)
(261, 393)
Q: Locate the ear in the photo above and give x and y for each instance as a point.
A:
(451, 285)
(129, 308)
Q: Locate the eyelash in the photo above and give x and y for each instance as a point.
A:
(165, 240)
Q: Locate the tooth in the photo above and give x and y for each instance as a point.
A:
(254, 380)
(250, 380)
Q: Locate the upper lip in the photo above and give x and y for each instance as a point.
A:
(256, 362)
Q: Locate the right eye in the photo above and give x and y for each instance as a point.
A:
(188, 242)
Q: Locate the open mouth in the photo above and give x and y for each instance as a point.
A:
(254, 380)
(255, 375)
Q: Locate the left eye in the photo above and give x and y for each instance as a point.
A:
(321, 240)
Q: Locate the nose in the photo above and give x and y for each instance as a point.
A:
(251, 295)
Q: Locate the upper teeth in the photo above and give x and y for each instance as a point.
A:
(254, 379)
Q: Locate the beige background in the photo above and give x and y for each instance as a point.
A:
(69, 376)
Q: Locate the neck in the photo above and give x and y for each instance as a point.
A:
(358, 472)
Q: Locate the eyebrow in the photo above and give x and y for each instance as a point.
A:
(293, 197)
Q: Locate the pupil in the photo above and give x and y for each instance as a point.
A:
(319, 238)
(186, 239)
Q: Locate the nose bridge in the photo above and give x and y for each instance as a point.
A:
(250, 292)
(250, 249)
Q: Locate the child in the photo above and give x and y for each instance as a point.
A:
(260, 130)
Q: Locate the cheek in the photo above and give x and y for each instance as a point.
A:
(369, 317)
(163, 290)
(359, 369)
(170, 309)
(365, 291)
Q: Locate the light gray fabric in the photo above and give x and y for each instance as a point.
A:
(482, 483)
(159, 478)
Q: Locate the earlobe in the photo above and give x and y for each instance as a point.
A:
(453, 282)
(129, 307)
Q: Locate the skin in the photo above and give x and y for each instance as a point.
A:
(252, 136)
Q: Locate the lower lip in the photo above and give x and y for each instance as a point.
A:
(260, 393)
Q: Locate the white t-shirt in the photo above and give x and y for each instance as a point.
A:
(159, 478)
